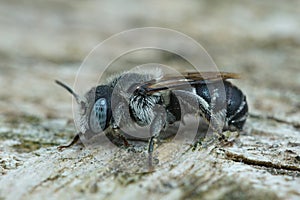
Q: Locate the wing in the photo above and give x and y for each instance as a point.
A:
(186, 79)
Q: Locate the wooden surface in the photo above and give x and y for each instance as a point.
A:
(41, 42)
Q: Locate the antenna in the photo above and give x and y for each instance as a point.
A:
(76, 96)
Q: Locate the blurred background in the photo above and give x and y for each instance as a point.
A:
(41, 41)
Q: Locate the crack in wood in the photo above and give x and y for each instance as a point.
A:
(260, 163)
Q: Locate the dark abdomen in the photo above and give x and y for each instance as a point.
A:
(231, 98)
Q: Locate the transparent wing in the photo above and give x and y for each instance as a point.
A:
(185, 80)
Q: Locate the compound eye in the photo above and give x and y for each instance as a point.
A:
(98, 116)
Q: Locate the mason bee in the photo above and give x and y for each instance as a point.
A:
(154, 100)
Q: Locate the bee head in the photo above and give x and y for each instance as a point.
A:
(95, 108)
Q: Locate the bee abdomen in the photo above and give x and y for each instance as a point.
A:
(237, 107)
(234, 101)
(238, 119)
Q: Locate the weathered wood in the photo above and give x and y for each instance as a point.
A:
(41, 42)
(254, 165)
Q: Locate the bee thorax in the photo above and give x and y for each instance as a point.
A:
(142, 108)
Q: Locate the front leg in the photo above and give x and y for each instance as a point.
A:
(157, 125)
(74, 141)
(150, 153)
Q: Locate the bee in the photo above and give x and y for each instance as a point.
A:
(154, 100)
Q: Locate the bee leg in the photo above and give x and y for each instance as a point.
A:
(116, 131)
(74, 141)
(189, 101)
(150, 153)
(157, 125)
(125, 141)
